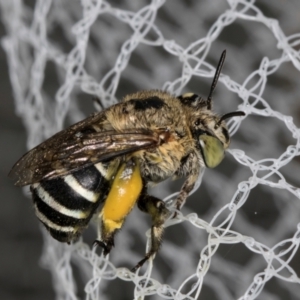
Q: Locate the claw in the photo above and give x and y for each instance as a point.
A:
(98, 102)
(98, 243)
(176, 213)
(134, 269)
(140, 264)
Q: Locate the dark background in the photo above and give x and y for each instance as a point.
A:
(21, 276)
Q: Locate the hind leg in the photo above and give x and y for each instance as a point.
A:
(105, 239)
(124, 193)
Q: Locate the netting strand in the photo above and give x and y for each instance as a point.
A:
(105, 50)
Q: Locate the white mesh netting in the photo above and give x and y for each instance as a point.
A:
(239, 233)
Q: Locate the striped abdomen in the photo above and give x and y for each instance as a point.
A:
(66, 204)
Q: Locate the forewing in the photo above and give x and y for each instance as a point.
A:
(71, 149)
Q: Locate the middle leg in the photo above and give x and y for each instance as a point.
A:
(159, 214)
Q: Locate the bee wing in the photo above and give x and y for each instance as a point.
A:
(68, 151)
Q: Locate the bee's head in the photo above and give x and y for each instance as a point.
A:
(208, 129)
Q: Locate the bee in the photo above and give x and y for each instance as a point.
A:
(112, 157)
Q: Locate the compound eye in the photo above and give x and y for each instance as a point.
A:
(212, 150)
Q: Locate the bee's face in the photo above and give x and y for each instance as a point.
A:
(212, 137)
(207, 123)
(209, 130)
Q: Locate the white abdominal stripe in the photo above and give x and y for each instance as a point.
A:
(48, 223)
(66, 204)
(85, 193)
(51, 202)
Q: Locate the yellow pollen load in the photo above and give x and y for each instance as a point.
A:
(123, 194)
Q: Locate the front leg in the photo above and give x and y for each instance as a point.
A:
(190, 168)
(159, 213)
(185, 190)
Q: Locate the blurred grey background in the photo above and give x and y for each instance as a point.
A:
(21, 276)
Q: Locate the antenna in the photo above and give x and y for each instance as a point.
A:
(230, 115)
(216, 78)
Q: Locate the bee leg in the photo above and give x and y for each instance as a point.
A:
(159, 213)
(184, 192)
(123, 195)
(98, 103)
(106, 243)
